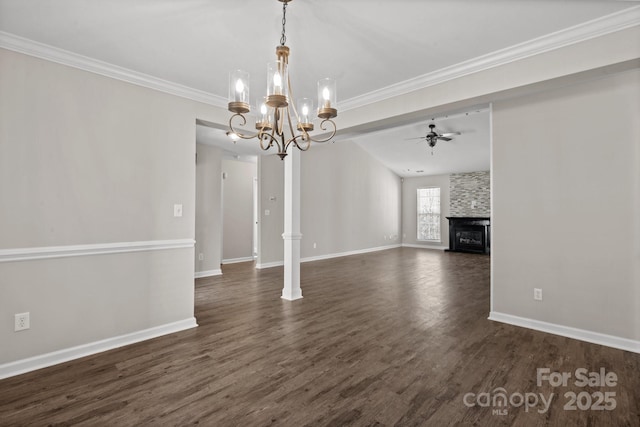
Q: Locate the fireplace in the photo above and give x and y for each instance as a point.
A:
(470, 234)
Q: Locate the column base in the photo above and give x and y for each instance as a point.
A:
(292, 297)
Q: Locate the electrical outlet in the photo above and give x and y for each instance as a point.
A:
(201, 257)
(21, 322)
(537, 294)
(315, 245)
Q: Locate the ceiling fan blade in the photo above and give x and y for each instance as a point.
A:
(409, 139)
(444, 138)
(448, 134)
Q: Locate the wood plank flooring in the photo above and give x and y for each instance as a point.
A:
(396, 337)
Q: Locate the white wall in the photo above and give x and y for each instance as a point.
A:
(349, 202)
(410, 209)
(566, 206)
(88, 160)
(237, 206)
(208, 211)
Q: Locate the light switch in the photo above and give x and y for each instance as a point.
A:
(177, 210)
(267, 212)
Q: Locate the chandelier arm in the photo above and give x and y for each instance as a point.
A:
(278, 122)
(291, 131)
(304, 136)
(264, 136)
(301, 147)
(282, 146)
(293, 105)
(244, 122)
(323, 127)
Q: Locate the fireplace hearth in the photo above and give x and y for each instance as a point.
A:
(470, 234)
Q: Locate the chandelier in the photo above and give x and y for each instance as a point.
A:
(274, 121)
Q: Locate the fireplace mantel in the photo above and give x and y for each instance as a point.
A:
(469, 234)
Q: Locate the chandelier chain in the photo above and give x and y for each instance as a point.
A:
(283, 38)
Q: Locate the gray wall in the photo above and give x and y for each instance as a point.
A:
(85, 159)
(88, 160)
(566, 206)
(410, 209)
(208, 210)
(349, 202)
(271, 199)
(467, 188)
(237, 206)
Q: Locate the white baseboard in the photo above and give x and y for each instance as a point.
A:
(49, 359)
(237, 260)
(208, 273)
(328, 256)
(411, 245)
(348, 253)
(260, 266)
(569, 332)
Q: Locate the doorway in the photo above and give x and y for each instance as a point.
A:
(239, 209)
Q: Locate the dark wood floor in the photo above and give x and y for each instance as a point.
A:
(397, 337)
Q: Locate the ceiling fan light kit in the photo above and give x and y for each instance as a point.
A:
(433, 136)
(275, 112)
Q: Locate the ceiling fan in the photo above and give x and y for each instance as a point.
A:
(432, 137)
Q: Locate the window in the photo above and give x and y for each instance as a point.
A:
(429, 214)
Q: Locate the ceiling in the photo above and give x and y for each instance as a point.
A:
(398, 148)
(195, 43)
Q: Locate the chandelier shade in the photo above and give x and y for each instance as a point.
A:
(305, 118)
(264, 115)
(327, 98)
(239, 91)
(277, 112)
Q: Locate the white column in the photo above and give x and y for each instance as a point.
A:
(291, 235)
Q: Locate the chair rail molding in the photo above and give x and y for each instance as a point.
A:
(46, 252)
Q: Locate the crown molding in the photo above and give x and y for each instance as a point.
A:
(50, 53)
(608, 24)
(595, 28)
